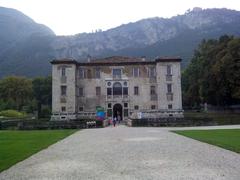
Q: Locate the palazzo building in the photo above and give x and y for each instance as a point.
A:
(122, 86)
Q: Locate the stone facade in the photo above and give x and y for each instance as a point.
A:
(123, 86)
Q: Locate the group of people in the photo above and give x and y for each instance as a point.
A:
(115, 120)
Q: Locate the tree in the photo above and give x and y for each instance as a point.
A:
(213, 75)
(16, 91)
(42, 91)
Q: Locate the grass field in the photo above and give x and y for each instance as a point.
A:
(16, 146)
(225, 138)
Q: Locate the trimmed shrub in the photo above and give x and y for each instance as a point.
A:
(12, 113)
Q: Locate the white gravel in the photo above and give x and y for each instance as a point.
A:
(128, 153)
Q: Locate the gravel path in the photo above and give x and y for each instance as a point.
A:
(128, 153)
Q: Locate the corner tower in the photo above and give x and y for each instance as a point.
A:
(64, 89)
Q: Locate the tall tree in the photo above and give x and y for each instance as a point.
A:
(17, 90)
(42, 91)
(213, 75)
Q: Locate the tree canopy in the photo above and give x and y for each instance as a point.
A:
(26, 94)
(213, 76)
(16, 90)
(42, 91)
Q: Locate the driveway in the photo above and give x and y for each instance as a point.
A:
(128, 153)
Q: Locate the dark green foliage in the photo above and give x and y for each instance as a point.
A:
(45, 112)
(218, 118)
(15, 91)
(27, 95)
(213, 75)
(42, 91)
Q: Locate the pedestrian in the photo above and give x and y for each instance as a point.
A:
(119, 119)
(110, 121)
(114, 121)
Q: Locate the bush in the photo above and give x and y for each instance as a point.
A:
(46, 112)
(4, 105)
(12, 113)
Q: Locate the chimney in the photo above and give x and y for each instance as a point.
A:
(143, 58)
(88, 58)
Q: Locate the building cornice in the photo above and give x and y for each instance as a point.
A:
(120, 63)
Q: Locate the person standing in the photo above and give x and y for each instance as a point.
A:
(119, 119)
(114, 121)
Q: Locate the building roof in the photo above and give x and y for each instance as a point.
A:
(64, 61)
(168, 59)
(116, 60)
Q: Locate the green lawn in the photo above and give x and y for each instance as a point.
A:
(16, 146)
(225, 138)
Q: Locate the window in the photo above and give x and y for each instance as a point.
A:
(89, 74)
(109, 91)
(169, 96)
(169, 70)
(135, 72)
(63, 71)
(136, 91)
(125, 105)
(82, 73)
(153, 107)
(63, 90)
(81, 91)
(125, 91)
(63, 100)
(125, 112)
(109, 83)
(152, 90)
(136, 107)
(63, 108)
(80, 108)
(169, 88)
(152, 72)
(109, 105)
(117, 88)
(98, 91)
(170, 106)
(109, 112)
(117, 73)
(97, 73)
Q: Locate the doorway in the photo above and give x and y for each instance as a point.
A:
(117, 111)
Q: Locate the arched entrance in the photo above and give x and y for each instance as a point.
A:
(118, 111)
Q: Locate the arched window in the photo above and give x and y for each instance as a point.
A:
(117, 88)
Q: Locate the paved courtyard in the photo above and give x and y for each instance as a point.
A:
(128, 153)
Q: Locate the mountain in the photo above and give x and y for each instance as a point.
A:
(22, 44)
(15, 26)
(176, 36)
(29, 50)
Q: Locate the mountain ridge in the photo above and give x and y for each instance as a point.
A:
(145, 34)
(150, 37)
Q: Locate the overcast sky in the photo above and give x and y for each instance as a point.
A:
(66, 17)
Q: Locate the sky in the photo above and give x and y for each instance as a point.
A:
(68, 17)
